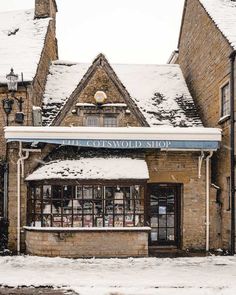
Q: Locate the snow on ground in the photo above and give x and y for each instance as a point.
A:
(144, 276)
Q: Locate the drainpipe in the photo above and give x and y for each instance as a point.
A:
(232, 150)
(5, 193)
(208, 200)
(19, 163)
(20, 172)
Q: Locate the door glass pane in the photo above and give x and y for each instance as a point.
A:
(170, 234)
(154, 221)
(163, 214)
(154, 235)
(170, 220)
(162, 220)
(162, 233)
(170, 203)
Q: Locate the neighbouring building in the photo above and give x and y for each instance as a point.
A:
(114, 162)
(206, 54)
(28, 45)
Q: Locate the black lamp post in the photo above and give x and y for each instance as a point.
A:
(12, 83)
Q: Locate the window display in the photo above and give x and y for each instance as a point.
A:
(86, 206)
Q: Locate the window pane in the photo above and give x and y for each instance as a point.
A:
(110, 122)
(87, 192)
(92, 121)
(139, 220)
(88, 220)
(129, 220)
(47, 191)
(86, 205)
(118, 222)
(225, 99)
(38, 192)
(108, 220)
(77, 222)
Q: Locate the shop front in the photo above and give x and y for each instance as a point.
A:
(153, 190)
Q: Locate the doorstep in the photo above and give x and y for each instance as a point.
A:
(172, 252)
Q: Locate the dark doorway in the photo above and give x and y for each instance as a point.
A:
(164, 214)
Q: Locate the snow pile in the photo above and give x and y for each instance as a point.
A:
(62, 80)
(22, 40)
(223, 13)
(92, 168)
(159, 91)
(144, 276)
(161, 94)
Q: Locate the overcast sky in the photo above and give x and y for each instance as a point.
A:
(126, 31)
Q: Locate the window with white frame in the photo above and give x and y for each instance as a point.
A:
(109, 121)
(92, 121)
(225, 100)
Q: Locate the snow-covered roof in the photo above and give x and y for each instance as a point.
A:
(159, 91)
(92, 168)
(22, 40)
(61, 82)
(223, 13)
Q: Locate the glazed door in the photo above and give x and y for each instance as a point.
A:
(164, 211)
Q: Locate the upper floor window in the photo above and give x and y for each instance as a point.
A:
(225, 100)
(110, 122)
(101, 121)
(93, 121)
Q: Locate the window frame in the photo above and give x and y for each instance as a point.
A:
(223, 101)
(107, 117)
(94, 116)
(71, 219)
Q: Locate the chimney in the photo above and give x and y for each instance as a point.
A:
(45, 8)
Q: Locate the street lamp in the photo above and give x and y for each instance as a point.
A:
(7, 106)
(12, 83)
(12, 80)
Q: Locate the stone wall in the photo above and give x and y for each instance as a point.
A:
(204, 59)
(87, 243)
(100, 81)
(182, 168)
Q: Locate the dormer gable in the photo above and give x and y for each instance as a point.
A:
(83, 108)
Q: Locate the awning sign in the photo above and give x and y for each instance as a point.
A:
(129, 144)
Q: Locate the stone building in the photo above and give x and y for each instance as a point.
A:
(28, 44)
(113, 161)
(206, 54)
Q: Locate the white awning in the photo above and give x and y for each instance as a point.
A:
(92, 168)
(171, 138)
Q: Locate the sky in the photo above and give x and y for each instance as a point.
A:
(126, 31)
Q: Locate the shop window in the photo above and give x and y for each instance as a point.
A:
(86, 206)
(110, 121)
(225, 100)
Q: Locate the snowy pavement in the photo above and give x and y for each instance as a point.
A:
(144, 276)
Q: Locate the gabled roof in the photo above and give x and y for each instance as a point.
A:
(159, 91)
(62, 80)
(21, 42)
(223, 13)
